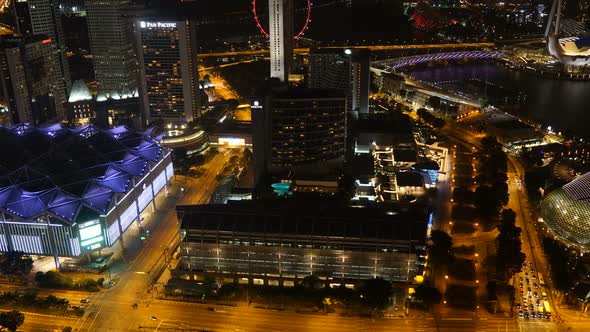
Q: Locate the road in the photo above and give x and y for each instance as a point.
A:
(371, 47)
(174, 316)
(112, 309)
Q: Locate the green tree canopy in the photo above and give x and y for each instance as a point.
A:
(441, 250)
(16, 263)
(427, 295)
(375, 292)
(11, 320)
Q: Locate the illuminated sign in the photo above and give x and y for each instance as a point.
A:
(46, 41)
(91, 235)
(236, 141)
(144, 24)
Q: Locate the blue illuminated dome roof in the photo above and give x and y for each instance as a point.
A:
(58, 171)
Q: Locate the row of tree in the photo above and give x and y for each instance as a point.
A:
(53, 279)
(492, 190)
(509, 257)
(429, 118)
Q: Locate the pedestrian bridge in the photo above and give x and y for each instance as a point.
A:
(390, 65)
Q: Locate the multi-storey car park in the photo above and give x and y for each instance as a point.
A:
(65, 192)
(278, 242)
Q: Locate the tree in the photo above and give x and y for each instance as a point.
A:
(427, 295)
(509, 258)
(441, 250)
(11, 320)
(16, 263)
(375, 292)
(486, 201)
(311, 282)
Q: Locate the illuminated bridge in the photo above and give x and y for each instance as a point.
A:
(397, 63)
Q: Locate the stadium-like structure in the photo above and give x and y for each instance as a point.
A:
(570, 51)
(566, 211)
(68, 191)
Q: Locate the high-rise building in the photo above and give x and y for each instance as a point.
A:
(298, 127)
(343, 69)
(169, 76)
(30, 79)
(110, 32)
(280, 13)
(42, 17)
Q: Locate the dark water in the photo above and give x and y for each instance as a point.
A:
(564, 105)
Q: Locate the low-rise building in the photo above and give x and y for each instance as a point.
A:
(280, 241)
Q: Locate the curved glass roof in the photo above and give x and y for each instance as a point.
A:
(56, 170)
(566, 215)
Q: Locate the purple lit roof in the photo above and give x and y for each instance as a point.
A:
(58, 171)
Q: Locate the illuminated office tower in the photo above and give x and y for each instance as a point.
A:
(30, 80)
(342, 69)
(115, 63)
(168, 69)
(42, 17)
(280, 13)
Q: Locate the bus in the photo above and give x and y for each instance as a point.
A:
(547, 309)
(544, 293)
(541, 280)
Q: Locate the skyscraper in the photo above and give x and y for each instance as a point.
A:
(42, 17)
(30, 81)
(342, 69)
(169, 77)
(115, 63)
(280, 13)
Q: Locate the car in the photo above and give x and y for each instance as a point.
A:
(528, 289)
(526, 274)
(154, 318)
(212, 309)
(534, 314)
(518, 305)
(535, 294)
(534, 277)
(538, 302)
(520, 314)
(526, 315)
(532, 307)
(531, 265)
(528, 281)
(535, 285)
(520, 279)
(84, 301)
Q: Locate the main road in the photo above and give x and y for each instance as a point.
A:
(305, 50)
(113, 309)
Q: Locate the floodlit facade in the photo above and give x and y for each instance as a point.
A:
(566, 211)
(169, 77)
(299, 127)
(42, 17)
(31, 79)
(280, 13)
(113, 54)
(280, 242)
(65, 192)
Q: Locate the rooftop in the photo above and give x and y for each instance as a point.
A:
(57, 170)
(308, 217)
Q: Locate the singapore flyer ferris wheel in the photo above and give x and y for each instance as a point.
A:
(298, 34)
